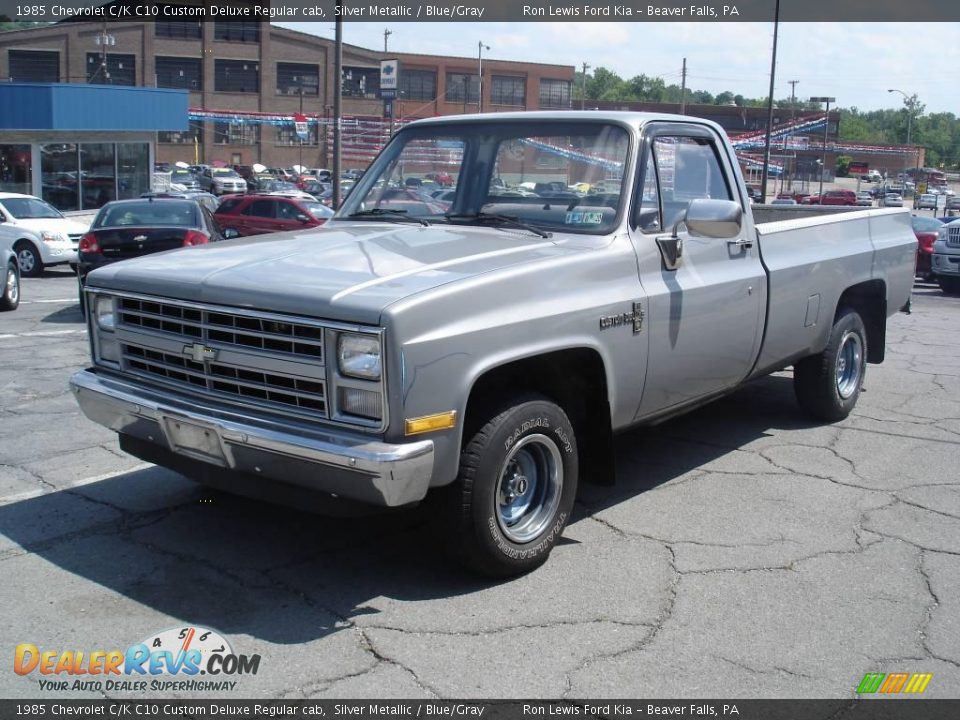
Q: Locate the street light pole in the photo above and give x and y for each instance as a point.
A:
(826, 128)
(773, 73)
(480, 48)
(911, 102)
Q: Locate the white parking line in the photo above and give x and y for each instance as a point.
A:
(58, 300)
(31, 494)
(43, 333)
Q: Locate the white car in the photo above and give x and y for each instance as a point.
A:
(222, 181)
(40, 234)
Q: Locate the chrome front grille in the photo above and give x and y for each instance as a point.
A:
(953, 236)
(274, 361)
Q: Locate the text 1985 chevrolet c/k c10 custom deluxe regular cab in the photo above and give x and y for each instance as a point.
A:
(486, 350)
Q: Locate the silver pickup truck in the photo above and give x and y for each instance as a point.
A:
(485, 349)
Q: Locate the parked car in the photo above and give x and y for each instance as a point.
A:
(926, 201)
(221, 181)
(783, 201)
(132, 228)
(891, 200)
(183, 180)
(945, 261)
(282, 187)
(953, 202)
(926, 230)
(864, 198)
(259, 214)
(440, 178)
(40, 234)
(316, 188)
(753, 191)
(839, 197)
(10, 291)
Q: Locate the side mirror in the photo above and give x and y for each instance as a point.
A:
(714, 218)
(230, 234)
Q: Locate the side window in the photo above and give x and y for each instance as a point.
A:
(259, 208)
(688, 169)
(228, 206)
(649, 216)
(287, 210)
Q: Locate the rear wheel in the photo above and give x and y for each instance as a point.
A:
(515, 491)
(10, 297)
(827, 385)
(31, 264)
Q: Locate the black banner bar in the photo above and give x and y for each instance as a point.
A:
(868, 709)
(486, 10)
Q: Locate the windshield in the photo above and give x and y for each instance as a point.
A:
(318, 210)
(562, 176)
(183, 174)
(29, 208)
(222, 172)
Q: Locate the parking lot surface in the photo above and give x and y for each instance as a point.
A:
(743, 552)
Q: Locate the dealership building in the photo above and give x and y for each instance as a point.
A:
(246, 80)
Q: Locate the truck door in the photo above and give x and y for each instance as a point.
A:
(706, 295)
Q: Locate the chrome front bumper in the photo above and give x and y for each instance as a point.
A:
(349, 465)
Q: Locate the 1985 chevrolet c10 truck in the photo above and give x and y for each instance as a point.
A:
(487, 349)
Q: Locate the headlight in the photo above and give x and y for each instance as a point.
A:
(104, 314)
(359, 356)
(53, 237)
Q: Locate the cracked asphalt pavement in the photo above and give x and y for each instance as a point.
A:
(744, 551)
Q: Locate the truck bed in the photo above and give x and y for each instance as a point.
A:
(811, 256)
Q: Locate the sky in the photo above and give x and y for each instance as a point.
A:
(854, 62)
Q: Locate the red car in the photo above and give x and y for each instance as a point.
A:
(259, 214)
(925, 228)
(832, 197)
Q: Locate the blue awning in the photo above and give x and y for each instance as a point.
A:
(72, 106)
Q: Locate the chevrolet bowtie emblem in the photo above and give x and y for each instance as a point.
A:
(199, 353)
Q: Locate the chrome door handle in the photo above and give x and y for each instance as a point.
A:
(740, 242)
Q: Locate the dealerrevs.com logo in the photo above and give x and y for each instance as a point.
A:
(169, 661)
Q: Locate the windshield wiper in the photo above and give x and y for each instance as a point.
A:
(496, 219)
(389, 214)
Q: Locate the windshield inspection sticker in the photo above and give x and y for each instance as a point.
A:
(584, 217)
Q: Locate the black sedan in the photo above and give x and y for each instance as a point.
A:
(130, 228)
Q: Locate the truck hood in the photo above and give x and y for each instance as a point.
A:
(347, 271)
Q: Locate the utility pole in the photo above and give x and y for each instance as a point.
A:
(683, 88)
(337, 102)
(386, 33)
(826, 128)
(773, 76)
(480, 48)
(583, 92)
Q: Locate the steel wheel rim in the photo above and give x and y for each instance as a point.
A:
(13, 285)
(528, 489)
(849, 365)
(26, 259)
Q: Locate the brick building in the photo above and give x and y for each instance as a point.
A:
(247, 79)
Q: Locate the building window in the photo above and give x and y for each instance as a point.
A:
(291, 77)
(287, 135)
(361, 82)
(190, 136)
(15, 169)
(554, 93)
(118, 70)
(98, 173)
(177, 72)
(508, 91)
(179, 29)
(418, 84)
(237, 31)
(133, 170)
(236, 133)
(462, 87)
(238, 76)
(34, 65)
(58, 168)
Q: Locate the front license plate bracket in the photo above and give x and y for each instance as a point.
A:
(201, 442)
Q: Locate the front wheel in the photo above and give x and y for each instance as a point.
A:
(31, 264)
(515, 490)
(827, 385)
(10, 297)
